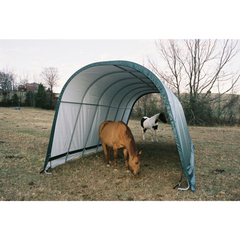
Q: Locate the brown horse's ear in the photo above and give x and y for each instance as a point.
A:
(140, 152)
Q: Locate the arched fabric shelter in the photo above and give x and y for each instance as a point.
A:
(107, 91)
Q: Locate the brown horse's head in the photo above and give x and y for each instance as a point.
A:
(134, 163)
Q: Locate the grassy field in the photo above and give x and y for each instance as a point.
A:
(24, 136)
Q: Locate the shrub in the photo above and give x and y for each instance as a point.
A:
(15, 100)
(40, 97)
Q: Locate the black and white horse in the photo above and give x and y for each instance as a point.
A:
(152, 123)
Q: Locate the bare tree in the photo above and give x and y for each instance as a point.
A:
(170, 52)
(50, 77)
(198, 66)
(24, 78)
(7, 82)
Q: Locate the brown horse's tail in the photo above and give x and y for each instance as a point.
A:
(101, 127)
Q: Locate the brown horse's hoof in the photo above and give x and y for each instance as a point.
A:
(115, 169)
(108, 165)
(128, 171)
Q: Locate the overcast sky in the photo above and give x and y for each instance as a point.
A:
(31, 56)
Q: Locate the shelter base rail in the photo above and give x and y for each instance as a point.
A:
(179, 183)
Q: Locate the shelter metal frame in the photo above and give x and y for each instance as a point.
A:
(121, 84)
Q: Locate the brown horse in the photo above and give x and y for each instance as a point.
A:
(118, 135)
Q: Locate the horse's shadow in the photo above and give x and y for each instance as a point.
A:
(157, 156)
(161, 156)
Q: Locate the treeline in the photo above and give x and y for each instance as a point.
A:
(215, 109)
(16, 91)
(40, 99)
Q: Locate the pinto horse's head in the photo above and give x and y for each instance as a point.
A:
(134, 164)
(162, 117)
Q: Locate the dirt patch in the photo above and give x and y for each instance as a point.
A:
(24, 137)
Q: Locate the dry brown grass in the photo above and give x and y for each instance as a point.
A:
(24, 136)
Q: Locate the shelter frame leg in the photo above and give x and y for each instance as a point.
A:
(179, 183)
(45, 170)
(184, 189)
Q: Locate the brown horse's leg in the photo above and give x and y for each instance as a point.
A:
(109, 152)
(125, 152)
(115, 158)
(105, 153)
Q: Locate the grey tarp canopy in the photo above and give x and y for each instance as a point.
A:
(107, 91)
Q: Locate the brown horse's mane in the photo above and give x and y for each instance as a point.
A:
(129, 137)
